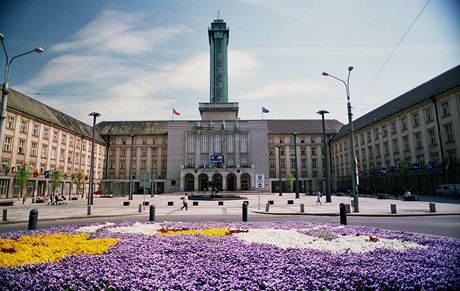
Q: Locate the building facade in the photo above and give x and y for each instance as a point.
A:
(414, 135)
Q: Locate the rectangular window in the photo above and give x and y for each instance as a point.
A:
(112, 153)
(314, 163)
(386, 148)
(369, 137)
(24, 126)
(7, 143)
(144, 141)
(35, 130)
(431, 136)
(122, 164)
(271, 163)
(190, 162)
(70, 141)
(281, 139)
(204, 144)
(303, 163)
(406, 143)
(243, 143)
(63, 138)
(293, 165)
(429, 114)
(46, 133)
(377, 150)
(33, 149)
(244, 161)
(448, 130)
(418, 140)
(231, 143)
(69, 157)
(62, 155)
(53, 153)
(230, 161)
(445, 109)
(376, 133)
(270, 140)
(123, 153)
(190, 143)
(163, 164)
(395, 145)
(134, 152)
(21, 147)
(415, 119)
(394, 129)
(143, 152)
(283, 163)
(143, 164)
(10, 122)
(403, 123)
(313, 151)
(313, 140)
(44, 153)
(55, 136)
(434, 157)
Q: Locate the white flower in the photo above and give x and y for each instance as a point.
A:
(292, 239)
(94, 228)
(139, 228)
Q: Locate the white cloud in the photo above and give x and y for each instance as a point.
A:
(283, 90)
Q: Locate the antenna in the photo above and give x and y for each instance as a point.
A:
(218, 14)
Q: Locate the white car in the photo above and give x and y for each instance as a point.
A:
(448, 190)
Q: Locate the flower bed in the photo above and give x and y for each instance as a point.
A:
(252, 256)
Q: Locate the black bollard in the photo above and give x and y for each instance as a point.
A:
(5, 214)
(33, 219)
(343, 214)
(152, 213)
(267, 207)
(245, 212)
(302, 208)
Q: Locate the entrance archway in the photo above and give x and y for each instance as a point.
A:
(217, 179)
(231, 182)
(203, 182)
(245, 182)
(189, 180)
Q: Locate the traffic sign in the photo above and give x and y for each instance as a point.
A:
(260, 181)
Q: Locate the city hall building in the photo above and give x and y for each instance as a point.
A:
(419, 127)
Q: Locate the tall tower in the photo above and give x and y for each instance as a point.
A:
(218, 41)
(218, 107)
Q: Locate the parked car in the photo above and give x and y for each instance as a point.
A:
(448, 190)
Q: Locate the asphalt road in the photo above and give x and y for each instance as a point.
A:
(448, 226)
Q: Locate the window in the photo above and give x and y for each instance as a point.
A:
(46, 133)
(123, 141)
(190, 143)
(429, 114)
(403, 123)
(303, 163)
(35, 130)
(415, 119)
(314, 163)
(7, 144)
(143, 152)
(394, 129)
(134, 153)
(292, 140)
(270, 140)
(271, 164)
(376, 133)
(370, 152)
(10, 122)
(204, 144)
(21, 147)
(53, 153)
(445, 109)
(377, 150)
(63, 138)
(70, 141)
(313, 151)
(33, 149)
(112, 152)
(449, 132)
(451, 155)
(434, 157)
(303, 151)
(44, 153)
(282, 163)
(69, 157)
(123, 153)
(282, 151)
(163, 164)
(24, 126)
(313, 140)
(122, 164)
(418, 140)
(243, 143)
(281, 139)
(230, 143)
(62, 155)
(362, 138)
(395, 145)
(386, 148)
(431, 136)
(190, 162)
(144, 141)
(406, 143)
(369, 138)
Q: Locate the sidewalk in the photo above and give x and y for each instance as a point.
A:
(110, 207)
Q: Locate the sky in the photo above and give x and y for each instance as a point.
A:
(138, 59)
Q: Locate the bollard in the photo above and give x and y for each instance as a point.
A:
(33, 199)
(302, 208)
(195, 203)
(152, 213)
(220, 203)
(267, 207)
(347, 208)
(393, 208)
(33, 219)
(432, 207)
(245, 212)
(140, 208)
(5, 214)
(290, 202)
(88, 211)
(343, 214)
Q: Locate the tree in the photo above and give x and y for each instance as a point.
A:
(21, 178)
(55, 179)
(78, 178)
(289, 181)
(403, 170)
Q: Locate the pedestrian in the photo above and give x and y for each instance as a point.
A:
(184, 202)
(407, 194)
(318, 197)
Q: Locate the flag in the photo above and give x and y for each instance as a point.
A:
(175, 112)
(429, 166)
(265, 110)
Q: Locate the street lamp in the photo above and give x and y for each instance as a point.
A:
(91, 169)
(279, 170)
(326, 157)
(296, 185)
(152, 174)
(352, 146)
(6, 86)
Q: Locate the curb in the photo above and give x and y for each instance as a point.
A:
(361, 214)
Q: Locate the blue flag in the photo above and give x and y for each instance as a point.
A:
(265, 110)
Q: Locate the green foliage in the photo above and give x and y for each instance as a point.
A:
(22, 177)
(289, 181)
(55, 179)
(78, 178)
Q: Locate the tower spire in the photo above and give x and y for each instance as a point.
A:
(218, 41)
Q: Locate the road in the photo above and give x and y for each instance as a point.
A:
(448, 226)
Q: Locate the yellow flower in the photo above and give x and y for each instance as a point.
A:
(206, 232)
(49, 248)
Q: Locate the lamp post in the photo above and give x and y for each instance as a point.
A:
(130, 196)
(326, 157)
(91, 169)
(296, 185)
(153, 176)
(352, 145)
(279, 170)
(6, 86)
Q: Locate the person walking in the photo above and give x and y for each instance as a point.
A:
(184, 202)
(318, 197)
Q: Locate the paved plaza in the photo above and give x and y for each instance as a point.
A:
(113, 207)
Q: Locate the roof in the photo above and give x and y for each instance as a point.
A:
(436, 86)
(24, 104)
(132, 127)
(303, 125)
